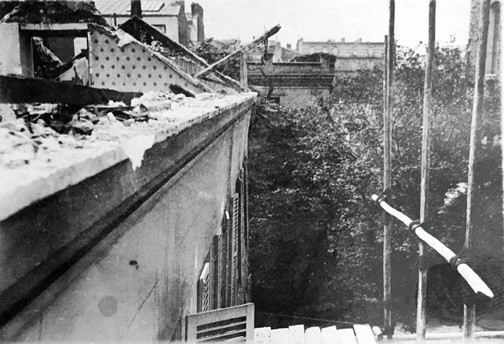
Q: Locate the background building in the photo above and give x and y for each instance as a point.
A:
(195, 23)
(167, 16)
(350, 56)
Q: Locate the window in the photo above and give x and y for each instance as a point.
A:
(493, 45)
(160, 27)
(204, 289)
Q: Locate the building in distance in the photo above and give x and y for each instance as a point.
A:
(350, 56)
(167, 16)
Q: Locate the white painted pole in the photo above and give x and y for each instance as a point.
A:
(474, 281)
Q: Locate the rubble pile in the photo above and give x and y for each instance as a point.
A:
(50, 12)
(45, 62)
(41, 132)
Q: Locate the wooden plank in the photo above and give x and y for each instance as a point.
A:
(377, 332)
(296, 334)
(17, 89)
(56, 29)
(477, 113)
(364, 334)
(239, 52)
(262, 335)
(345, 336)
(329, 335)
(313, 336)
(425, 168)
(279, 336)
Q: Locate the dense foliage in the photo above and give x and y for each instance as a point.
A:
(316, 245)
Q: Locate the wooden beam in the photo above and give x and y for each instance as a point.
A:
(477, 113)
(239, 52)
(424, 186)
(17, 89)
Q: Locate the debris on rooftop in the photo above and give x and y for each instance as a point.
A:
(42, 130)
(50, 12)
(45, 62)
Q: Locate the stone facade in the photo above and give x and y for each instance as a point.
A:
(350, 56)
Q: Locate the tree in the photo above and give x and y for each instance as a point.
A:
(316, 236)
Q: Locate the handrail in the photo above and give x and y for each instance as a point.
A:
(472, 278)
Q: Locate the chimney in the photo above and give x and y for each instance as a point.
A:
(289, 46)
(136, 8)
(343, 40)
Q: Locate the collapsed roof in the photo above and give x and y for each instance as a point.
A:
(50, 12)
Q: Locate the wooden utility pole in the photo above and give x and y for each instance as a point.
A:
(424, 187)
(387, 177)
(477, 113)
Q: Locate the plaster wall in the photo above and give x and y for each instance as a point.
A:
(135, 276)
(115, 300)
(16, 56)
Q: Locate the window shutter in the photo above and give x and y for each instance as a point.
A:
(234, 245)
(204, 288)
(234, 324)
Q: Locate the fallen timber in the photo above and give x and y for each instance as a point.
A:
(476, 283)
(239, 52)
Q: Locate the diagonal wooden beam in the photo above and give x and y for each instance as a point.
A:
(239, 52)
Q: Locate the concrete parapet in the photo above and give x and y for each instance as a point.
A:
(93, 248)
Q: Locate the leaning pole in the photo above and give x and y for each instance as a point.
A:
(424, 187)
(477, 113)
(387, 178)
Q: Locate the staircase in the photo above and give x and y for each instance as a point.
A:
(358, 334)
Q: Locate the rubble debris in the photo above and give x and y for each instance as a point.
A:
(30, 146)
(180, 90)
(45, 62)
(50, 12)
(7, 114)
(154, 101)
(76, 70)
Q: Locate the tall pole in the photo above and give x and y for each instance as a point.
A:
(477, 113)
(424, 186)
(387, 177)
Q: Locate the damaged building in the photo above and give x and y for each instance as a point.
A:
(292, 84)
(123, 206)
(169, 17)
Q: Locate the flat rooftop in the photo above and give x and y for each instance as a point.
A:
(36, 165)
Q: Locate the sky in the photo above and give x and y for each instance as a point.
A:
(321, 20)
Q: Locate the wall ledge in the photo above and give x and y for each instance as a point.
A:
(24, 185)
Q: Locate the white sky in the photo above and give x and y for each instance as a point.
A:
(320, 20)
